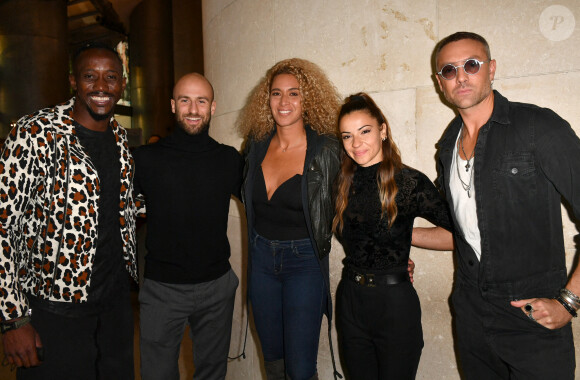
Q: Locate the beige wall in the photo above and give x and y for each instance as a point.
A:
(384, 48)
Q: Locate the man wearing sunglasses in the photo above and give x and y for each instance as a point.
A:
(504, 167)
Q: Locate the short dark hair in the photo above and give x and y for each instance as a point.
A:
(91, 46)
(458, 36)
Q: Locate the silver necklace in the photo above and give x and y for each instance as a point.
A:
(466, 186)
(468, 164)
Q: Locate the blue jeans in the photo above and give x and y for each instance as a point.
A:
(288, 298)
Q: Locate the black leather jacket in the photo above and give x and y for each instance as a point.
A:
(321, 166)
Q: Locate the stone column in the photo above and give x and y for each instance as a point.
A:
(187, 37)
(151, 62)
(33, 57)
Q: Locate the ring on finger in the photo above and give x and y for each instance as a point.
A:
(530, 311)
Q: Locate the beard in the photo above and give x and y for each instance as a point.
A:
(190, 130)
(101, 117)
(478, 96)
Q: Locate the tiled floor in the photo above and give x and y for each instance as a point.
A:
(185, 360)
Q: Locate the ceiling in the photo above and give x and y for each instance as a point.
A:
(99, 20)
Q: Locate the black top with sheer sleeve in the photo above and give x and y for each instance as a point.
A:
(367, 240)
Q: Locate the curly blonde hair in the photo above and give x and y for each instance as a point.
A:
(320, 100)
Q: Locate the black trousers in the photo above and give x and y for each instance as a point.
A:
(379, 330)
(498, 341)
(85, 348)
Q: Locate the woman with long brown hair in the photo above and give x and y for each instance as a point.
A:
(292, 158)
(378, 198)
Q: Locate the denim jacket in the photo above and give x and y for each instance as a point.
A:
(526, 159)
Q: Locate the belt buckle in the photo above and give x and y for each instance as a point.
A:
(365, 279)
(359, 279)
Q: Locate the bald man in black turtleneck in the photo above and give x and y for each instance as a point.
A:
(185, 183)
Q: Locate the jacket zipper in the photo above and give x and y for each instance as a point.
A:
(64, 218)
(48, 215)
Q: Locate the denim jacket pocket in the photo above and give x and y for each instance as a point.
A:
(514, 176)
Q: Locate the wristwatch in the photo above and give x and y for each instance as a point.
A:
(14, 324)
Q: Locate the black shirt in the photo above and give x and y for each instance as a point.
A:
(108, 272)
(368, 241)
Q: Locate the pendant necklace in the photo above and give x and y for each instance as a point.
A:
(466, 186)
(468, 165)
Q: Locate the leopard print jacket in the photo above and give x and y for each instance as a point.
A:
(49, 192)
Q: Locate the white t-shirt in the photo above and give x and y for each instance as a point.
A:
(463, 205)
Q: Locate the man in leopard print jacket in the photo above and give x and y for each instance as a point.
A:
(67, 232)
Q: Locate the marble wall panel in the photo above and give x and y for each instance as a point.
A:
(433, 281)
(213, 8)
(432, 118)
(375, 45)
(223, 127)
(526, 34)
(399, 109)
(238, 48)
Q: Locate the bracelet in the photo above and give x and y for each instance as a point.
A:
(571, 298)
(15, 324)
(567, 306)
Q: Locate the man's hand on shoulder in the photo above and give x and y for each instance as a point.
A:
(20, 346)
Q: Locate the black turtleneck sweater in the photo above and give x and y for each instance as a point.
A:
(187, 182)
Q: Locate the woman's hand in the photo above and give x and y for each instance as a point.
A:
(411, 269)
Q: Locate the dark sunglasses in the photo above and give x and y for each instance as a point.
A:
(471, 67)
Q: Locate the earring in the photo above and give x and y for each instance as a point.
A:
(384, 138)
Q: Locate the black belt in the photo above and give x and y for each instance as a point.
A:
(374, 279)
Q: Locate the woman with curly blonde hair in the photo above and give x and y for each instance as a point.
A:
(320, 100)
(292, 157)
(377, 309)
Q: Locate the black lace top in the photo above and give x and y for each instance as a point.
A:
(366, 238)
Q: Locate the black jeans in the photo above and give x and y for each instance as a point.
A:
(498, 341)
(85, 348)
(379, 330)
